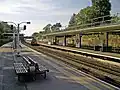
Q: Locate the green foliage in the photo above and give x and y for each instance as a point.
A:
(52, 28)
(40, 34)
(72, 21)
(35, 34)
(84, 16)
(115, 19)
(1, 29)
(47, 28)
(4, 28)
(99, 8)
(56, 27)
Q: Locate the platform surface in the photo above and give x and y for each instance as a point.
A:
(60, 77)
(8, 79)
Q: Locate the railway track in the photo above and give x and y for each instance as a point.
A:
(107, 72)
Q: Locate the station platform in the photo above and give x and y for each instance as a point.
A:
(60, 77)
(8, 79)
(98, 53)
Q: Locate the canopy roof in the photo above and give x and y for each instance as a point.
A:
(110, 28)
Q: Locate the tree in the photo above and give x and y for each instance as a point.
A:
(40, 34)
(115, 19)
(47, 28)
(4, 28)
(35, 34)
(1, 28)
(84, 16)
(56, 27)
(72, 21)
(101, 8)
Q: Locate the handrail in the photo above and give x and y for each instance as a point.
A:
(103, 22)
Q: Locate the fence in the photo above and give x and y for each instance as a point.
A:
(95, 22)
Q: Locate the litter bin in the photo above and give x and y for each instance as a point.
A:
(97, 48)
(106, 49)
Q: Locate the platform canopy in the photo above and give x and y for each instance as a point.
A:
(110, 28)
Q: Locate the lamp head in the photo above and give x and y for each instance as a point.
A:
(11, 27)
(28, 22)
(24, 28)
(5, 22)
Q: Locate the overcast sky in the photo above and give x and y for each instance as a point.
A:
(42, 12)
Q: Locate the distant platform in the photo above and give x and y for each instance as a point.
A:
(113, 55)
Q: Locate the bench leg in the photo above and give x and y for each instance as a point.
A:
(19, 78)
(45, 75)
(34, 77)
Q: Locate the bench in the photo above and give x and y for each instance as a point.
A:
(39, 69)
(29, 68)
(20, 70)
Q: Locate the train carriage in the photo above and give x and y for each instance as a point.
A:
(34, 42)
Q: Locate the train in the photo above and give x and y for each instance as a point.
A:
(34, 42)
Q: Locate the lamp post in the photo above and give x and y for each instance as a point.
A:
(18, 35)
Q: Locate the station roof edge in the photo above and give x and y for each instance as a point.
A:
(110, 28)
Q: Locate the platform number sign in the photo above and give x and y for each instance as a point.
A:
(77, 41)
(80, 34)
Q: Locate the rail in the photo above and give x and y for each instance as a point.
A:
(104, 57)
(103, 70)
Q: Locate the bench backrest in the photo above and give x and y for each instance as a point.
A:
(34, 63)
(26, 60)
(27, 63)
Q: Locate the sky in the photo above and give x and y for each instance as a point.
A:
(43, 12)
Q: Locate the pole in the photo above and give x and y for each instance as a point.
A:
(14, 40)
(18, 38)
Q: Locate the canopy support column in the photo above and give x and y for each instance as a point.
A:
(107, 38)
(64, 41)
(55, 40)
(78, 40)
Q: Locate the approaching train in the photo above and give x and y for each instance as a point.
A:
(34, 42)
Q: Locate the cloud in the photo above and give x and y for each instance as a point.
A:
(41, 12)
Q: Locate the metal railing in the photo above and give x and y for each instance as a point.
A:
(95, 22)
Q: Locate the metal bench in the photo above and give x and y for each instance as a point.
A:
(20, 70)
(26, 60)
(29, 68)
(39, 69)
(26, 63)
